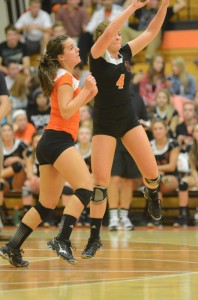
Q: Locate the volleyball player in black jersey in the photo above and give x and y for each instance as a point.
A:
(114, 115)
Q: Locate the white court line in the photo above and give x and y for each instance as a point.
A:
(120, 250)
(99, 283)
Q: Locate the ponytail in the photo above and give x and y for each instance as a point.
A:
(49, 63)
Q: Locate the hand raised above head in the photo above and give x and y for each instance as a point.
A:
(139, 3)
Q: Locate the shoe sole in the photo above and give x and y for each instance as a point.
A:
(113, 228)
(52, 248)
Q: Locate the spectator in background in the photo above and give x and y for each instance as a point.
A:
(12, 174)
(39, 114)
(12, 73)
(19, 92)
(58, 29)
(35, 24)
(13, 49)
(153, 81)
(166, 151)
(182, 85)
(184, 129)
(74, 18)
(23, 129)
(166, 112)
(188, 182)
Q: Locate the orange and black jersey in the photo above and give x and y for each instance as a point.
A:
(113, 78)
(162, 156)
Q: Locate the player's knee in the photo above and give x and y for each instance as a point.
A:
(183, 186)
(26, 191)
(17, 167)
(84, 196)
(43, 211)
(154, 182)
(99, 194)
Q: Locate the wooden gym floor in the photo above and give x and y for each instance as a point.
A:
(145, 264)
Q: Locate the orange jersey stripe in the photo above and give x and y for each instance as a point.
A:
(56, 121)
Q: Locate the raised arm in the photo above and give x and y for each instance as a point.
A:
(100, 46)
(152, 30)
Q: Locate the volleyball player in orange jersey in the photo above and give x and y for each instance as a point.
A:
(114, 116)
(59, 160)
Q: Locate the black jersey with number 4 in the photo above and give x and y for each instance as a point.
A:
(113, 78)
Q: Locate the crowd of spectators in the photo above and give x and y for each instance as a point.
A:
(170, 101)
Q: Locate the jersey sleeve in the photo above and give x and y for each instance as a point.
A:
(64, 79)
(126, 51)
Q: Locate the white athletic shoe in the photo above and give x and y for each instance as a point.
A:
(126, 224)
(113, 224)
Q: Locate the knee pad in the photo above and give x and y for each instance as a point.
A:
(155, 181)
(84, 196)
(67, 190)
(17, 167)
(1, 186)
(183, 186)
(26, 191)
(99, 194)
(44, 212)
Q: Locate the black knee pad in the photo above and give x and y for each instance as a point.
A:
(26, 191)
(183, 186)
(99, 194)
(1, 186)
(44, 212)
(155, 181)
(84, 196)
(67, 190)
(17, 167)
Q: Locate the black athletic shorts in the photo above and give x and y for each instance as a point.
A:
(114, 122)
(51, 145)
(124, 166)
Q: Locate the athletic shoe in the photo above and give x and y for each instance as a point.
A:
(90, 249)
(63, 249)
(113, 224)
(126, 224)
(13, 256)
(181, 221)
(153, 224)
(154, 205)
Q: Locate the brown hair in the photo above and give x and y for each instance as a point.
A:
(49, 63)
(100, 29)
(19, 88)
(152, 73)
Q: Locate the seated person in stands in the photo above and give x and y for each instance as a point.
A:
(23, 130)
(166, 151)
(19, 92)
(35, 24)
(184, 129)
(13, 174)
(188, 182)
(153, 81)
(74, 18)
(13, 49)
(182, 85)
(39, 113)
(166, 112)
(13, 70)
